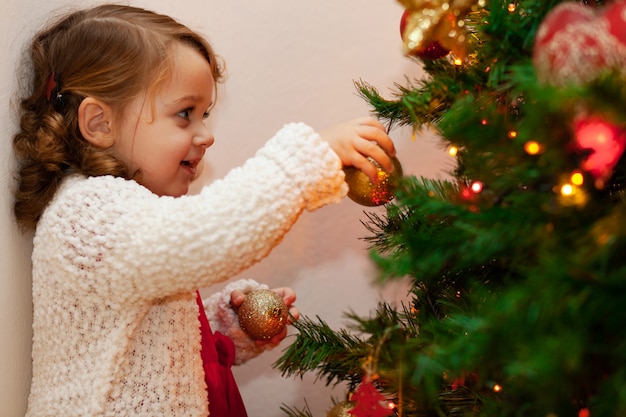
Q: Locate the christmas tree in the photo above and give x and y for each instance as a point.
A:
(518, 263)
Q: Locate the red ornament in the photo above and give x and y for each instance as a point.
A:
(606, 143)
(369, 402)
(575, 43)
(615, 15)
(403, 20)
(433, 50)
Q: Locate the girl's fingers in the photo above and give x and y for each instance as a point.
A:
(236, 298)
(372, 130)
(288, 294)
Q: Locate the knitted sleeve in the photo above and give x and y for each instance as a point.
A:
(125, 244)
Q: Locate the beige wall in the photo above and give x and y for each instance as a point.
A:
(287, 61)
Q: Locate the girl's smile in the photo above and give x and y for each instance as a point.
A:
(192, 166)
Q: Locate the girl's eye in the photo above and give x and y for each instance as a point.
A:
(185, 114)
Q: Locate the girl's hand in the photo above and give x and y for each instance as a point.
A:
(359, 139)
(289, 296)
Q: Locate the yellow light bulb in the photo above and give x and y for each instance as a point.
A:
(577, 178)
(532, 147)
(511, 8)
(567, 190)
(512, 134)
(453, 150)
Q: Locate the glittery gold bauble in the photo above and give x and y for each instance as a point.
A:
(366, 193)
(440, 21)
(263, 314)
(342, 409)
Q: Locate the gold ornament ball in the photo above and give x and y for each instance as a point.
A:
(263, 314)
(342, 409)
(440, 21)
(366, 193)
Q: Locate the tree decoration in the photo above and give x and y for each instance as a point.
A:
(436, 22)
(575, 43)
(434, 50)
(263, 314)
(369, 402)
(341, 409)
(605, 144)
(363, 191)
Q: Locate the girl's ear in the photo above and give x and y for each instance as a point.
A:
(95, 120)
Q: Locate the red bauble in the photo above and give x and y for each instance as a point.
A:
(433, 51)
(575, 44)
(615, 15)
(605, 143)
(403, 20)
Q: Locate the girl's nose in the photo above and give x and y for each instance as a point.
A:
(204, 137)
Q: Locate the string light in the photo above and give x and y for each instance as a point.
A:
(584, 412)
(466, 193)
(483, 122)
(458, 61)
(453, 150)
(577, 178)
(572, 195)
(477, 187)
(512, 134)
(512, 7)
(497, 388)
(532, 148)
(567, 190)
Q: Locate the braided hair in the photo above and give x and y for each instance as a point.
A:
(110, 52)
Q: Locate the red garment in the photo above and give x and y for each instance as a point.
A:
(218, 355)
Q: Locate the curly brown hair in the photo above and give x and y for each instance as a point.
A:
(109, 52)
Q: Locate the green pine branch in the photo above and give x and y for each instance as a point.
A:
(338, 356)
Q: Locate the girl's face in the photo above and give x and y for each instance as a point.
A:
(166, 141)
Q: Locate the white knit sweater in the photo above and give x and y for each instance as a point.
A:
(115, 269)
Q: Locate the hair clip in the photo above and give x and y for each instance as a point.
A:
(53, 88)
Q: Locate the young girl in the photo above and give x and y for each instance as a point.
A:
(112, 133)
